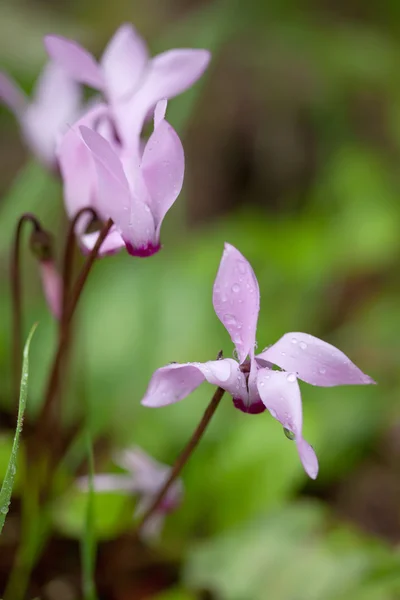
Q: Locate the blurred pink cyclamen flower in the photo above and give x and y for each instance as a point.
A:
(55, 105)
(131, 81)
(253, 383)
(52, 286)
(145, 478)
(135, 192)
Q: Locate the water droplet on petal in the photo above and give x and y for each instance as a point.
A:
(291, 377)
(230, 319)
(322, 371)
(303, 345)
(294, 340)
(241, 265)
(289, 434)
(283, 353)
(236, 288)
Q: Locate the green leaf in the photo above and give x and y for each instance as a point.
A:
(8, 483)
(88, 542)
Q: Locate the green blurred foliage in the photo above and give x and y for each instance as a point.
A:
(327, 261)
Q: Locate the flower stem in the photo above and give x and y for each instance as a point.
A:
(52, 385)
(16, 300)
(184, 456)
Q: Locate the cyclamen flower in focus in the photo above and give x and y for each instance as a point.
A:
(131, 81)
(55, 104)
(136, 195)
(145, 478)
(252, 381)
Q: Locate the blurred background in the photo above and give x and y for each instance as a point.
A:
(292, 142)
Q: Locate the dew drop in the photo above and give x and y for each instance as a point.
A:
(303, 345)
(283, 353)
(230, 319)
(289, 434)
(236, 288)
(241, 265)
(291, 377)
(294, 340)
(322, 371)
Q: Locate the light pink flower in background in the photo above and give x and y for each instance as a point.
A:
(52, 286)
(145, 478)
(55, 104)
(130, 79)
(252, 381)
(135, 193)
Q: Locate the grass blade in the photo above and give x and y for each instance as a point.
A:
(8, 483)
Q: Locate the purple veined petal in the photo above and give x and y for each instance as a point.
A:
(123, 62)
(163, 166)
(280, 393)
(111, 245)
(108, 483)
(77, 167)
(54, 107)
(77, 61)
(52, 287)
(176, 381)
(315, 361)
(236, 300)
(12, 96)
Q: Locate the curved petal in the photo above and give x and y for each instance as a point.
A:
(236, 300)
(112, 244)
(315, 361)
(123, 62)
(167, 75)
(176, 381)
(77, 168)
(163, 166)
(55, 106)
(11, 95)
(280, 393)
(77, 61)
(52, 286)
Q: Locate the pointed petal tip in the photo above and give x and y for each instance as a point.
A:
(308, 458)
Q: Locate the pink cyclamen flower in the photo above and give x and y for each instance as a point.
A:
(145, 478)
(135, 193)
(252, 382)
(55, 104)
(131, 81)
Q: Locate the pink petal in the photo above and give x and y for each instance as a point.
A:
(163, 166)
(11, 95)
(112, 244)
(280, 393)
(314, 361)
(167, 75)
(108, 483)
(52, 287)
(176, 381)
(77, 168)
(131, 216)
(308, 458)
(77, 61)
(236, 299)
(55, 106)
(123, 62)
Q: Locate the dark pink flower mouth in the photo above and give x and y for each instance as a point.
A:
(254, 408)
(143, 251)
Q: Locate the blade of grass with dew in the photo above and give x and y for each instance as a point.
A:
(88, 542)
(8, 483)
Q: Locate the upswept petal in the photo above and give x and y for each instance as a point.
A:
(55, 106)
(52, 286)
(108, 483)
(77, 168)
(163, 166)
(236, 300)
(176, 381)
(280, 393)
(77, 61)
(123, 62)
(167, 75)
(315, 361)
(12, 96)
(112, 244)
